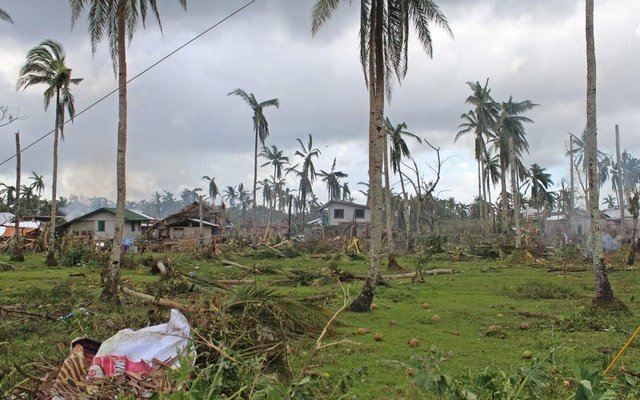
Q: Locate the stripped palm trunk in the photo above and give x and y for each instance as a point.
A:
(392, 264)
(111, 272)
(376, 137)
(603, 291)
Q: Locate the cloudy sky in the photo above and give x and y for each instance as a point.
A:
(182, 124)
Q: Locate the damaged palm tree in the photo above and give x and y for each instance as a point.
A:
(384, 35)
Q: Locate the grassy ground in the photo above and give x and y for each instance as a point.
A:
(481, 309)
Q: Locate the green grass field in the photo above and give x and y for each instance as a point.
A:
(481, 310)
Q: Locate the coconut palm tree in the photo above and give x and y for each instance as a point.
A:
(510, 126)
(46, 65)
(491, 174)
(213, 189)
(398, 150)
(4, 16)
(481, 120)
(244, 198)
(38, 185)
(230, 195)
(603, 291)
(307, 173)
(332, 181)
(261, 131)
(276, 159)
(384, 43)
(609, 201)
(116, 20)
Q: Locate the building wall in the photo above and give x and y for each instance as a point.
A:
(89, 225)
(348, 213)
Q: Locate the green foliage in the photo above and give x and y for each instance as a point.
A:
(569, 252)
(77, 254)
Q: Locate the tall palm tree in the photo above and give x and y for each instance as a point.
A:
(261, 131)
(603, 291)
(332, 181)
(307, 173)
(398, 150)
(212, 189)
(384, 38)
(46, 65)
(510, 126)
(116, 20)
(481, 120)
(276, 159)
(38, 185)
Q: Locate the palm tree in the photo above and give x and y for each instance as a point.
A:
(276, 159)
(397, 150)
(261, 130)
(539, 181)
(384, 38)
(38, 185)
(306, 174)
(116, 20)
(492, 175)
(346, 193)
(609, 201)
(230, 195)
(603, 291)
(510, 126)
(4, 16)
(213, 189)
(332, 181)
(244, 198)
(481, 120)
(46, 65)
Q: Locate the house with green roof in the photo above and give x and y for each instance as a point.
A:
(99, 225)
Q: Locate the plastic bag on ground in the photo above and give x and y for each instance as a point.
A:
(134, 351)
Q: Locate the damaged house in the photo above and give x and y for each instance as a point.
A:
(186, 225)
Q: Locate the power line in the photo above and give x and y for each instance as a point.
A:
(135, 77)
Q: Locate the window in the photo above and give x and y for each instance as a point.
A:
(133, 226)
(100, 226)
(359, 213)
(338, 213)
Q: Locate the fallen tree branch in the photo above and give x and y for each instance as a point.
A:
(159, 301)
(440, 271)
(13, 310)
(235, 264)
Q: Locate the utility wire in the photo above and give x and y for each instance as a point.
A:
(134, 78)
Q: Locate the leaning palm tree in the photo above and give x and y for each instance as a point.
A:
(46, 65)
(384, 44)
(213, 189)
(116, 20)
(261, 131)
(603, 292)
